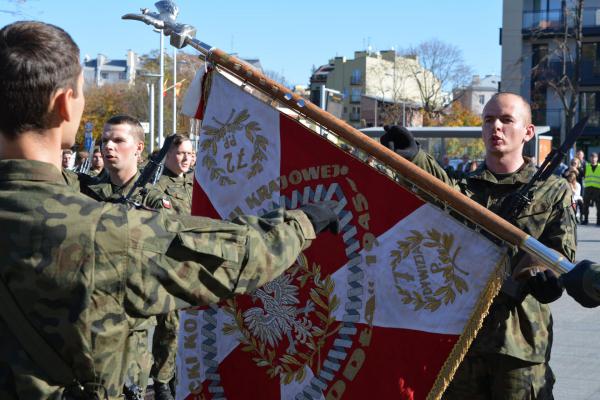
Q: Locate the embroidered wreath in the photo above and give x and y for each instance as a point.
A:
(453, 282)
(216, 134)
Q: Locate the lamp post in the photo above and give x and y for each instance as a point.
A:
(168, 11)
(324, 92)
(150, 86)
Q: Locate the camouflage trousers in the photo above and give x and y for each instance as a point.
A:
(500, 377)
(139, 360)
(164, 347)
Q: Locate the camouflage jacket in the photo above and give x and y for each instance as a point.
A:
(102, 189)
(78, 269)
(178, 189)
(522, 330)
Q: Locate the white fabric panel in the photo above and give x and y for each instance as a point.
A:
(235, 151)
(477, 256)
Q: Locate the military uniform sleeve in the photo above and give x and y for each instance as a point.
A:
(155, 199)
(560, 230)
(426, 162)
(175, 262)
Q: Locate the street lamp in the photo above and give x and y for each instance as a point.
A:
(324, 91)
(150, 86)
(168, 11)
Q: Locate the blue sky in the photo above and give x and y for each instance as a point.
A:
(289, 37)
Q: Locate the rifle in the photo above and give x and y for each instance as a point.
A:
(516, 202)
(149, 172)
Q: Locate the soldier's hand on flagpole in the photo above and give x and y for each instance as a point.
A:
(582, 283)
(399, 139)
(545, 286)
(322, 216)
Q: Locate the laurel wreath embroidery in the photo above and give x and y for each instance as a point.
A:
(233, 124)
(453, 283)
(291, 366)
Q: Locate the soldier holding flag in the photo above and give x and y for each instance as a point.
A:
(76, 270)
(509, 358)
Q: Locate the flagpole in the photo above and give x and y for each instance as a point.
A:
(182, 35)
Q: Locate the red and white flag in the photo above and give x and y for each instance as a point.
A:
(379, 311)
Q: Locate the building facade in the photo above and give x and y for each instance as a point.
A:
(377, 87)
(532, 37)
(479, 92)
(101, 70)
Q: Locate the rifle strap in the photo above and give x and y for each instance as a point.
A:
(36, 347)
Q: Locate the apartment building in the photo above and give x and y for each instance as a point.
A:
(531, 35)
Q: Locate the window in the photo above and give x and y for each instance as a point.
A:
(122, 76)
(356, 77)
(355, 96)
(481, 99)
(104, 75)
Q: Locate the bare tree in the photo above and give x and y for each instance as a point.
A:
(559, 70)
(440, 69)
(388, 82)
(277, 77)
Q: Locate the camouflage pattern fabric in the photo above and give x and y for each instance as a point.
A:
(178, 189)
(498, 377)
(522, 330)
(80, 270)
(164, 343)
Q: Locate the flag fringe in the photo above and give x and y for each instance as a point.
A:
(460, 349)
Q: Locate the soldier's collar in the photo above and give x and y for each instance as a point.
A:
(522, 175)
(30, 170)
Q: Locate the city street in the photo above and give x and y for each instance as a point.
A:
(576, 350)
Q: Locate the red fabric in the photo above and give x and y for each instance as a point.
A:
(399, 363)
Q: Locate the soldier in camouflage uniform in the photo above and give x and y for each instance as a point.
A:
(122, 143)
(74, 270)
(177, 185)
(97, 167)
(509, 358)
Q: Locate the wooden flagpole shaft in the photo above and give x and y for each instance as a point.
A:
(420, 178)
(182, 35)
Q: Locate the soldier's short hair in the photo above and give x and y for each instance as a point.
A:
(36, 60)
(526, 106)
(136, 128)
(178, 139)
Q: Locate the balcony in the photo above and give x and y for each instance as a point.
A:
(551, 22)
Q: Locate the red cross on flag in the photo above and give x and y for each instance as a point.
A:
(386, 309)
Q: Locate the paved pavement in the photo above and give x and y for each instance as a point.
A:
(576, 350)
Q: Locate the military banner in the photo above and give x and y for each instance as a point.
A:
(386, 309)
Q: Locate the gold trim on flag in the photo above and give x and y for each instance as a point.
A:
(459, 351)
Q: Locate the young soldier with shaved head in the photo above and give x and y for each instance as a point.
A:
(509, 358)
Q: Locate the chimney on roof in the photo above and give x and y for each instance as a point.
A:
(476, 80)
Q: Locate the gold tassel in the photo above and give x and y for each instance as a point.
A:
(466, 338)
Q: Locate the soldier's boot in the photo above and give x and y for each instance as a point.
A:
(162, 391)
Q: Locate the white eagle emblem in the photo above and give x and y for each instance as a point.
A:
(279, 315)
